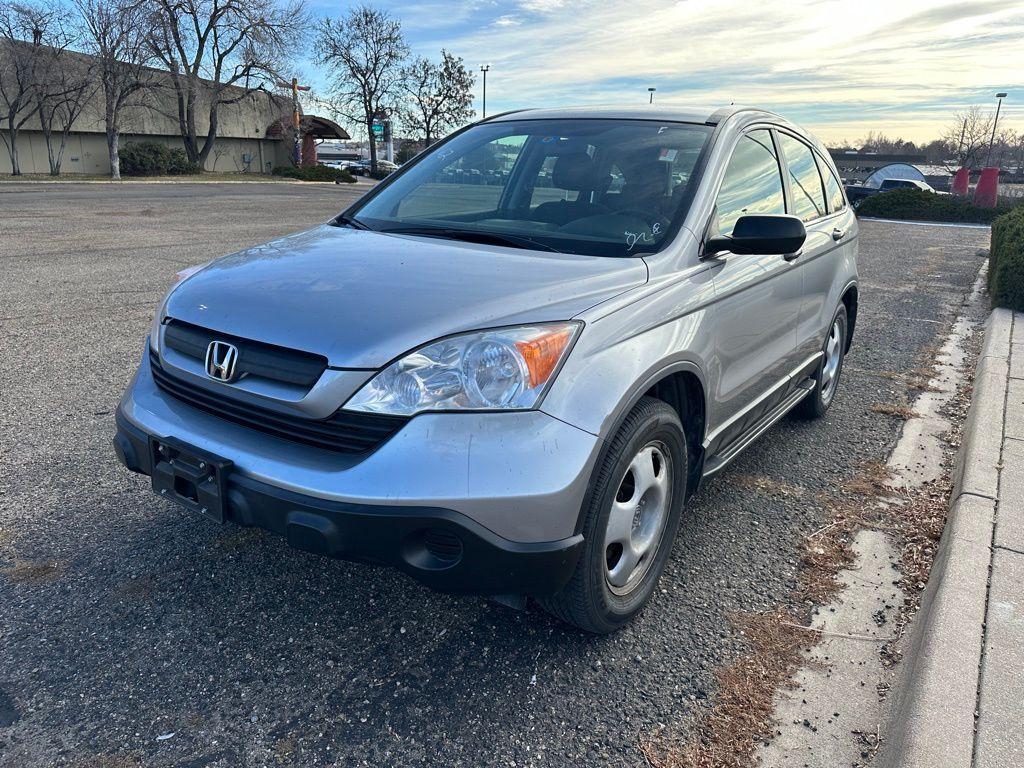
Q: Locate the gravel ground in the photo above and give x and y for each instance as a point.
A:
(132, 633)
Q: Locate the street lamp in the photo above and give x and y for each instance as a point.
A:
(485, 68)
(992, 141)
(651, 90)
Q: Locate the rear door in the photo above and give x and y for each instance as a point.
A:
(757, 297)
(817, 198)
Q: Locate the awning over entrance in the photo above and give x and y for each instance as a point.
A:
(312, 125)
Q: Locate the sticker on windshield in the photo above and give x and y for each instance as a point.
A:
(668, 155)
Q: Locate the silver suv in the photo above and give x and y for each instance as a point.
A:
(506, 369)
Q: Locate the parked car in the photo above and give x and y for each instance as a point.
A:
(362, 167)
(856, 193)
(514, 390)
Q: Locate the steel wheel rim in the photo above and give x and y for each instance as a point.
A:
(637, 518)
(833, 354)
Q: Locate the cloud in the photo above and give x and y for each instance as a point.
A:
(827, 62)
(508, 20)
(542, 6)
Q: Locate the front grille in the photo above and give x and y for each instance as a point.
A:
(344, 432)
(254, 357)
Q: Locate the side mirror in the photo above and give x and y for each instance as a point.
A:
(760, 235)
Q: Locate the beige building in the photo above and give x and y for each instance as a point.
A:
(249, 135)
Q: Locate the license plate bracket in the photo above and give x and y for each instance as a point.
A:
(191, 477)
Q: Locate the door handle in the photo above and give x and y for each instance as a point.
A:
(838, 234)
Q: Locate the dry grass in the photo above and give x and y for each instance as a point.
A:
(919, 379)
(904, 412)
(873, 479)
(919, 523)
(33, 572)
(767, 486)
(730, 730)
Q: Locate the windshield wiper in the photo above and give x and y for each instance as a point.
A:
(348, 221)
(473, 236)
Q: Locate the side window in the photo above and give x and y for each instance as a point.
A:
(804, 179)
(833, 189)
(752, 183)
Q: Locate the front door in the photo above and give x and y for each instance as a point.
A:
(757, 298)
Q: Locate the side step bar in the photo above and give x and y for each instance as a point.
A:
(719, 461)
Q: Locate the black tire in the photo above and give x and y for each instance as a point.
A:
(588, 600)
(818, 402)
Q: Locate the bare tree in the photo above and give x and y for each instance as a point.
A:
(219, 52)
(365, 50)
(28, 33)
(439, 96)
(115, 36)
(66, 87)
(968, 137)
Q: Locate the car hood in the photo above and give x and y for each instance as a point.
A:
(363, 298)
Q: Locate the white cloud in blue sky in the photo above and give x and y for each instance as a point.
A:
(841, 67)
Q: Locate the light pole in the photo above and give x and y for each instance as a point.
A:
(992, 141)
(651, 91)
(485, 68)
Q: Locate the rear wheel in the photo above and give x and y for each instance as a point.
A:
(831, 368)
(635, 504)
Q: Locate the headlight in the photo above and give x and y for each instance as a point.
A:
(502, 369)
(158, 318)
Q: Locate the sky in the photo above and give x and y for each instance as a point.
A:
(841, 68)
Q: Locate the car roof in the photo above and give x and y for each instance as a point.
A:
(668, 112)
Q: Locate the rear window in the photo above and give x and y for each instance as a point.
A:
(833, 189)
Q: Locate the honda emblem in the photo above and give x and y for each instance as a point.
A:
(221, 358)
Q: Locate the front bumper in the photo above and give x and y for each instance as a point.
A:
(503, 492)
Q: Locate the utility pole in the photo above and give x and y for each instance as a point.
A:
(485, 69)
(995, 123)
(651, 90)
(294, 85)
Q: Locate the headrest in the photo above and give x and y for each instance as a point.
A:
(573, 171)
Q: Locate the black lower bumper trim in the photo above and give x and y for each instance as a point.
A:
(439, 547)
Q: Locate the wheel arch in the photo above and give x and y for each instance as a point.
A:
(682, 386)
(683, 390)
(850, 300)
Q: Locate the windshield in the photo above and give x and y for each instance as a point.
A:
(598, 187)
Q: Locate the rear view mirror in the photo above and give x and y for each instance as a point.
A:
(760, 235)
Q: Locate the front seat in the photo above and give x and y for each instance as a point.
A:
(573, 172)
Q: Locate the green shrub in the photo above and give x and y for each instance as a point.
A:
(143, 158)
(918, 205)
(178, 164)
(380, 174)
(150, 158)
(1006, 261)
(314, 173)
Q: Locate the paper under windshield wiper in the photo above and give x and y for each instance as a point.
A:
(473, 236)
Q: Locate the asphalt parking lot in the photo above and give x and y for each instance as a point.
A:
(132, 633)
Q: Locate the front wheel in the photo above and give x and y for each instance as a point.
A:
(826, 380)
(633, 513)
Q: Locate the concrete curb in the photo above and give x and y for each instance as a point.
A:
(931, 720)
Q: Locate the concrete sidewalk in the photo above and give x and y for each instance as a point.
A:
(959, 701)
